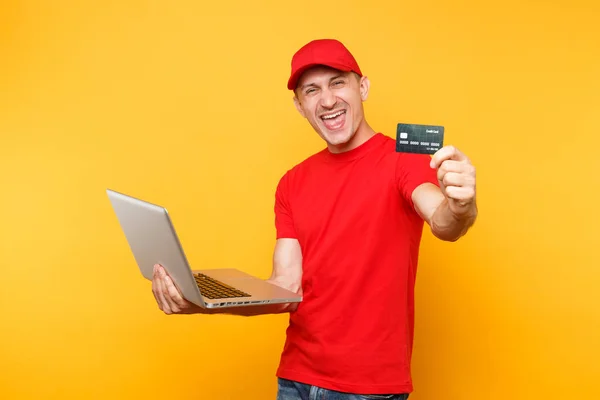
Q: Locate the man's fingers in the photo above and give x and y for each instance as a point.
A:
(460, 193)
(166, 291)
(155, 293)
(167, 295)
(457, 179)
(446, 153)
(451, 166)
(174, 294)
(160, 290)
(155, 288)
(456, 166)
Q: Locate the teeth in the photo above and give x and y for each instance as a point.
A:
(333, 115)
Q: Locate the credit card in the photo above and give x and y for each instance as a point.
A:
(420, 139)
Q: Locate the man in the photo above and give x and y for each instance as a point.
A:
(349, 221)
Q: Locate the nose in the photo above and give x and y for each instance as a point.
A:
(328, 100)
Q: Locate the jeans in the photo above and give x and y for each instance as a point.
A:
(290, 390)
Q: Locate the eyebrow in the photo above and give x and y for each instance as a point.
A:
(338, 76)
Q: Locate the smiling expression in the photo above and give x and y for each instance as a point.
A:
(331, 101)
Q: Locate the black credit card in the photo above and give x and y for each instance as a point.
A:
(420, 139)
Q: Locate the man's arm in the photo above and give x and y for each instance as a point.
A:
(451, 209)
(287, 273)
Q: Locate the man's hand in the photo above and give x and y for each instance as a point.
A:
(168, 296)
(451, 209)
(284, 283)
(456, 176)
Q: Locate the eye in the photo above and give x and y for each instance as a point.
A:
(309, 90)
(338, 83)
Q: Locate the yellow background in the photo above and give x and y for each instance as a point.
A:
(184, 103)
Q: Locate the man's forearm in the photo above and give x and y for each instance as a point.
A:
(448, 226)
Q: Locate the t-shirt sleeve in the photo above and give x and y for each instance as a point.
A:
(413, 170)
(284, 222)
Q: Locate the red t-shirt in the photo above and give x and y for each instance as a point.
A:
(353, 216)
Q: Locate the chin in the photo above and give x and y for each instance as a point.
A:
(337, 138)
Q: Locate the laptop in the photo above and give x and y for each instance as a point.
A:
(152, 239)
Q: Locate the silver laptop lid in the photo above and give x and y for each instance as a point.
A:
(153, 240)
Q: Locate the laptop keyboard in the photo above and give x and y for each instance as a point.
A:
(214, 289)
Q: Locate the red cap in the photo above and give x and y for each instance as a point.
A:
(328, 52)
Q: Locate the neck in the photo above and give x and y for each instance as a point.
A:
(362, 134)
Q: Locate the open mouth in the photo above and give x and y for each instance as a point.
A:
(334, 120)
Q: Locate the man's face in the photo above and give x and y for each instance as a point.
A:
(331, 101)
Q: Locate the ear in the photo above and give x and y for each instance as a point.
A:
(365, 84)
(299, 106)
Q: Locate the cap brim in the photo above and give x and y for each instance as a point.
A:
(293, 81)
